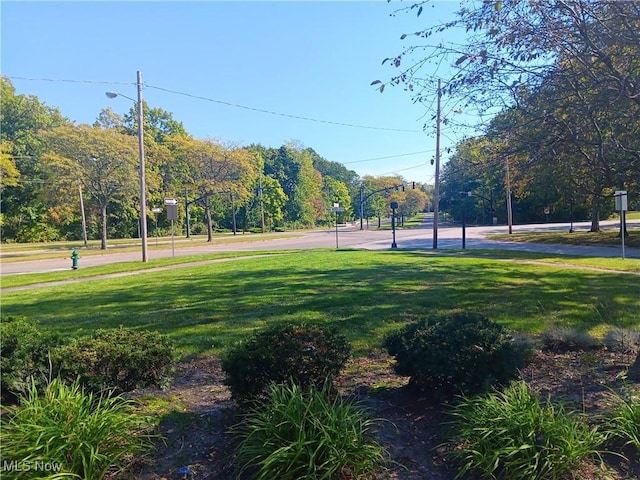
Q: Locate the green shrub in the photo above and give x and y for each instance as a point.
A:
(300, 433)
(624, 421)
(120, 360)
(455, 353)
(24, 356)
(567, 339)
(71, 433)
(512, 436)
(304, 354)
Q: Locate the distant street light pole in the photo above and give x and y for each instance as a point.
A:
(394, 205)
(436, 188)
(143, 183)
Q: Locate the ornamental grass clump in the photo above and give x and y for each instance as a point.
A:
(568, 339)
(511, 435)
(624, 422)
(306, 433)
(623, 340)
(70, 433)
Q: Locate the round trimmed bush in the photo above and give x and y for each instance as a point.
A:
(120, 360)
(458, 353)
(302, 354)
(24, 356)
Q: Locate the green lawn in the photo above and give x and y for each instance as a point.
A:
(204, 308)
(603, 238)
(16, 252)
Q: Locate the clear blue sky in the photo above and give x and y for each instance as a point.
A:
(307, 59)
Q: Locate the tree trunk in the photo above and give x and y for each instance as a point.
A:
(595, 215)
(207, 210)
(103, 235)
(634, 370)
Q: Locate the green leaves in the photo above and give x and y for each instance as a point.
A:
(378, 82)
(307, 433)
(455, 353)
(624, 421)
(512, 435)
(303, 354)
(76, 434)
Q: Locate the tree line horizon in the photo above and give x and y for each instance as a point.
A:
(561, 79)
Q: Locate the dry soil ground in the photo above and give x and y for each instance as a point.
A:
(198, 437)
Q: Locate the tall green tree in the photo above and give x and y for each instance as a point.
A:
(292, 167)
(158, 123)
(210, 169)
(23, 208)
(572, 66)
(102, 162)
(337, 192)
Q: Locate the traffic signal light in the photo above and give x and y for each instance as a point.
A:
(413, 185)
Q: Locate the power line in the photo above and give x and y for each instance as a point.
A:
(270, 112)
(221, 102)
(389, 156)
(405, 169)
(66, 80)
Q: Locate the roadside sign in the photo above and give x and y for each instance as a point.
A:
(621, 200)
(336, 209)
(171, 201)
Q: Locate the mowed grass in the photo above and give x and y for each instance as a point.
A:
(207, 307)
(608, 237)
(10, 281)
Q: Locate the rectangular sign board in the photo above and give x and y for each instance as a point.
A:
(621, 200)
(172, 212)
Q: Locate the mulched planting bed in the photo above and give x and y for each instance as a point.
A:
(198, 436)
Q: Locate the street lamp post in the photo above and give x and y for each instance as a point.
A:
(143, 183)
(156, 211)
(394, 205)
(464, 218)
(436, 188)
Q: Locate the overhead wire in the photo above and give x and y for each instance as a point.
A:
(271, 112)
(388, 156)
(405, 169)
(222, 102)
(255, 109)
(67, 80)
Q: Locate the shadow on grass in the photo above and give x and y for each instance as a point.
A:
(363, 294)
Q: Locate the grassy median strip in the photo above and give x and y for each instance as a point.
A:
(205, 308)
(604, 238)
(10, 281)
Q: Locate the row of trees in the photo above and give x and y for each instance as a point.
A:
(561, 79)
(52, 168)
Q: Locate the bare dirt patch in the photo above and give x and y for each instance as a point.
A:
(198, 433)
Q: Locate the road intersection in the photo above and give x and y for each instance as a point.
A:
(421, 238)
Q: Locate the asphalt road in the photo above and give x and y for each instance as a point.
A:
(449, 237)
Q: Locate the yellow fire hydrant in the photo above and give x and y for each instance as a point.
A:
(74, 259)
